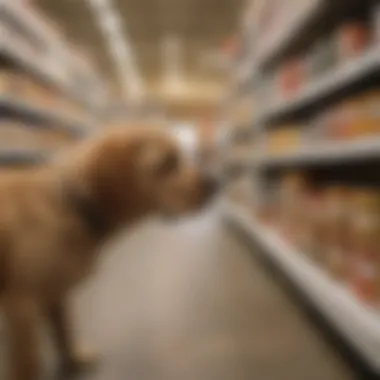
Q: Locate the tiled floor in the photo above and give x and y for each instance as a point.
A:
(188, 302)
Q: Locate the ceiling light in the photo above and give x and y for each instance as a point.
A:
(118, 45)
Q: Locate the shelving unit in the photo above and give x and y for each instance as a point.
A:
(33, 65)
(23, 156)
(25, 15)
(30, 111)
(333, 81)
(357, 323)
(46, 72)
(38, 55)
(326, 156)
(289, 29)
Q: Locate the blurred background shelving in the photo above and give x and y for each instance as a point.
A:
(71, 66)
(50, 94)
(293, 94)
(306, 188)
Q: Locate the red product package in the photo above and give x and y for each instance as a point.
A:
(353, 39)
(364, 276)
(365, 208)
(290, 78)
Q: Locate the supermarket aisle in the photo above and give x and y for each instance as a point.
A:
(189, 302)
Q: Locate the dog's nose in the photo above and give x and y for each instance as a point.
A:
(211, 184)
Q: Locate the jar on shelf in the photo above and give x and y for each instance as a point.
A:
(365, 232)
(376, 24)
(266, 205)
(353, 38)
(321, 59)
(290, 78)
(310, 237)
(337, 246)
(292, 188)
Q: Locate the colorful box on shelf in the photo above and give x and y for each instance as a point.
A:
(53, 62)
(357, 323)
(285, 139)
(333, 81)
(44, 117)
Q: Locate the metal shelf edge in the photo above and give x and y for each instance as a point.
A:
(333, 80)
(358, 324)
(77, 128)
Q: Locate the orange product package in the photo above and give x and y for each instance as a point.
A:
(353, 39)
(292, 188)
(365, 233)
(337, 219)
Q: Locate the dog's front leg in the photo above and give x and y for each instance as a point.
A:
(72, 359)
(21, 316)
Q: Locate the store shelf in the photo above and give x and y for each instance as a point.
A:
(50, 74)
(56, 64)
(327, 153)
(30, 111)
(334, 81)
(286, 34)
(25, 15)
(35, 66)
(357, 323)
(236, 155)
(22, 156)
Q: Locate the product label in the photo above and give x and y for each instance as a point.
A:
(335, 256)
(365, 274)
(366, 269)
(366, 222)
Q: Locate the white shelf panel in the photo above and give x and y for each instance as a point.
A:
(287, 32)
(57, 119)
(41, 69)
(36, 24)
(335, 80)
(327, 153)
(57, 64)
(22, 156)
(359, 324)
(48, 72)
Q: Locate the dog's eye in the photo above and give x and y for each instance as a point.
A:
(169, 164)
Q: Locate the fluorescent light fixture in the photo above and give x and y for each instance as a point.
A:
(118, 45)
(99, 5)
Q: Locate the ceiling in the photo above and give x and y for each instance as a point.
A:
(202, 26)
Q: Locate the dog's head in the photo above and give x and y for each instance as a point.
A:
(141, 171)
(173, 182)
